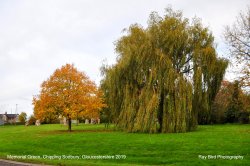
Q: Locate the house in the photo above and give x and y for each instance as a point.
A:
(64, 121)
(8, 118)
(1, 120)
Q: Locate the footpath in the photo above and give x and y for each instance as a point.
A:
(15, 163)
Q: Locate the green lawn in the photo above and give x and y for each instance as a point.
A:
(140, 149)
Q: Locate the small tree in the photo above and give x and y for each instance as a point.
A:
(244, 116)
(235, 106)
(22, 117)
(221, 102)
(68, 93)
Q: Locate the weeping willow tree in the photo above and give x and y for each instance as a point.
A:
(166, 75)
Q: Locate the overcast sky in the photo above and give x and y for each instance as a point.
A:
(36, 37)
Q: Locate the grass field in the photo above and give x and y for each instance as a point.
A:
(140, 149)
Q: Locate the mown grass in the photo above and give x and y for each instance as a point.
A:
(140, 149)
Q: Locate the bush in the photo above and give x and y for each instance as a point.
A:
(244, 117)
(32, 120)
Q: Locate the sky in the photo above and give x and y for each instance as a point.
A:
(37, 37)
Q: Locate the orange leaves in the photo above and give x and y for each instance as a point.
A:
(69, 93)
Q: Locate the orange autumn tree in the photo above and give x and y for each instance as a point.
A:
(68, 93)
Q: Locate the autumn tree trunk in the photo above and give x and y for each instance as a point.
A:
(69, 124)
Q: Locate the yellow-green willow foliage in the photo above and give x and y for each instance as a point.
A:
(164, 74)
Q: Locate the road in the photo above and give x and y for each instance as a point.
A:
(14, 163)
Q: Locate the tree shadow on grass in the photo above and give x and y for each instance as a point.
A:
(76, 131)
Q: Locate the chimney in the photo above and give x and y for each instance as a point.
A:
(5, 113)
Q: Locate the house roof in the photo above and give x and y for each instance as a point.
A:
(9, 115)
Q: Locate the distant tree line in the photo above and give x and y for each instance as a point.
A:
(231, 105)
